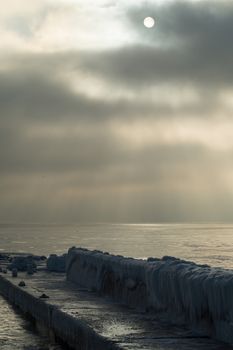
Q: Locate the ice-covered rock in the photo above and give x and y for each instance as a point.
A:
(21, 263)
(56, 263)
(14, 272)
(22, 284)
(4, 257)
(199, 294)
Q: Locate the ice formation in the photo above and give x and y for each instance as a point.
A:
(198, 294)
(48, 317)
(23, 263)
(56, 263)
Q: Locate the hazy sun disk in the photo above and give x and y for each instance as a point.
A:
(149, 22)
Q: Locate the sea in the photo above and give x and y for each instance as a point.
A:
(210, 244)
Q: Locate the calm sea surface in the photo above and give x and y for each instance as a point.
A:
(202, 243)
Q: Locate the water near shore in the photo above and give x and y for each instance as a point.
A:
(202, 243)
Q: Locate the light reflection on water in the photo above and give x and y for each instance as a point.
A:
(211, 244)
(203, 243)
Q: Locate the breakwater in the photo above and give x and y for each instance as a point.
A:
(200, 295)
(77, 306)
(50, 318)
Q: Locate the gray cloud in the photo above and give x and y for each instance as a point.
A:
(21, 92)
(191, 44)
(33, 89)
(106, 182)
(60, 156)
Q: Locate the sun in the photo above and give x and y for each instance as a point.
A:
(149, 22)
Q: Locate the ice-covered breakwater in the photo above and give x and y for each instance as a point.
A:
(199, 294)
(56, 263)
(52, 315)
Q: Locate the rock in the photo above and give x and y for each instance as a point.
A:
(22, 284)
(44, 296)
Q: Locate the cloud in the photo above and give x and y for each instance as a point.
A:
(35, 95)
(190, 44)
(130, 132)
(62, 92)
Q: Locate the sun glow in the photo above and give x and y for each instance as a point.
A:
(149, 22)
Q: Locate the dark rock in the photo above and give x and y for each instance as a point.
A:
(22, 284)
(44, 296)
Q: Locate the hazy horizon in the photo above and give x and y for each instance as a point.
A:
(104, 120)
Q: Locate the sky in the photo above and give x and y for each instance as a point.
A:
(105, 120)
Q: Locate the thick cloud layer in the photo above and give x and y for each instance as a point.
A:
(192, 44)
(139, 130)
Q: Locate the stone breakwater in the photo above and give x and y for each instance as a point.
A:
(198, 294)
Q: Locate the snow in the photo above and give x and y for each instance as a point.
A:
(197, 294)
